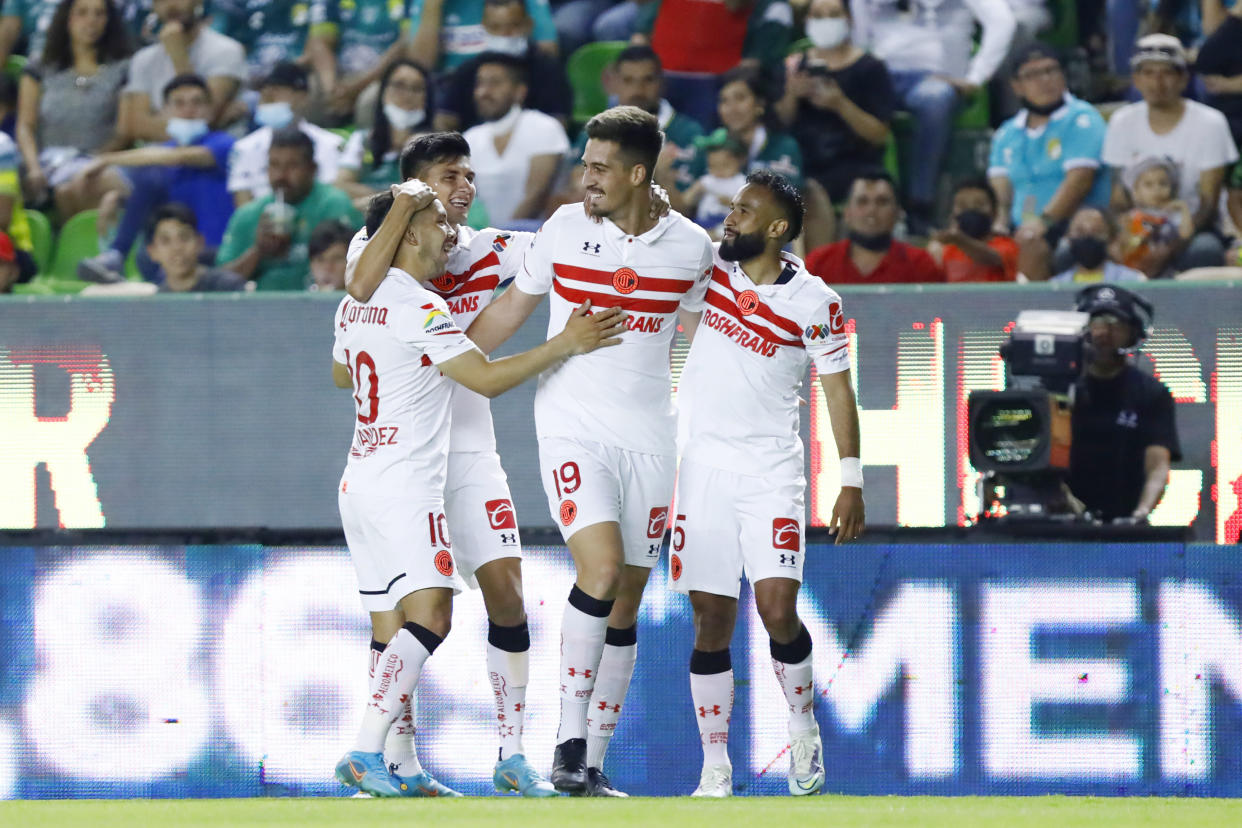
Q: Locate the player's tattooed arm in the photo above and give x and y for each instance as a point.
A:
(376, 257)
(340, 375)
(583, 333)
(848, 519)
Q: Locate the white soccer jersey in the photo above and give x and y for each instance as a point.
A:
(618, 396)
(391, 346)
(481, 261)
(739, 389)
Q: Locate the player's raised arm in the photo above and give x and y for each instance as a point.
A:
(848, 514)
(583, 333)
(382, 240)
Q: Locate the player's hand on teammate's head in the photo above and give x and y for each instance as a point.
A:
(416, 191)
(660, 204)
(848, 515)
(585, 331)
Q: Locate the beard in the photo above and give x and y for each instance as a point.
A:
(742, 247)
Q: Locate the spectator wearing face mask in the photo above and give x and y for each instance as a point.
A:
(507, 29)
(969, 250)
(282, 102)
(838, 101)
(369, 162)
(869, 254)
(191, 168)
(1092, 238)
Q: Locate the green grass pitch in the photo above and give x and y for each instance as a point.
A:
(757, 812)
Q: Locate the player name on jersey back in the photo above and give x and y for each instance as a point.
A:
(739, 390)
(481, 262)
(617, 396)
(391, 346)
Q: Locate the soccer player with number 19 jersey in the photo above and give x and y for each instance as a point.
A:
(606, 424)
(739, 506)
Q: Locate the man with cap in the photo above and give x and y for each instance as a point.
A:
(283, 99)
(1165, 123)
(1045, 161)
(1124, 430)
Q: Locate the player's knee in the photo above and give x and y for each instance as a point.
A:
(779, 616)
(507, 613)
(602, 580)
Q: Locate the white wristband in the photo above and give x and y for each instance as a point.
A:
(851, 472)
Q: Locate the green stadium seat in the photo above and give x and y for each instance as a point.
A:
(585, 68)
(14, 66)
(975, 112)
(41, 235)
(78, 240)
(1064, 31)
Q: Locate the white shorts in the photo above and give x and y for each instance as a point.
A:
(398, 545)
(589, 483)
(481, 517)
(728, 525)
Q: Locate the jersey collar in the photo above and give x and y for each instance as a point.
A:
(615, 233)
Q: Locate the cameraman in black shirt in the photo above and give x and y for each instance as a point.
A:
(1124, 435)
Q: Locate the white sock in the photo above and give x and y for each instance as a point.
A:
(798, 684)
(400, 752)
(395, 677)
(713, 706)
(616, 668)
(508, 673)
(582, 645)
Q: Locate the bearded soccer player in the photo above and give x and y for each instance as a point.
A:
(606, 424)
(739, 505)
(399, 352)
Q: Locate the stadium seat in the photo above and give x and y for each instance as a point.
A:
(585, 68)
(78, 240)
(14, 66)
(1064, 30)
(41, 236)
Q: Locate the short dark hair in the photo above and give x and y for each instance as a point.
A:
(288, 74)
(291, 137)
(188, 79)
(634, 130)
(172, 211)
(874, 174)
(377, 211)
(786, 195)
(639, 54)
(1032, 52)
(514, 65)
(978, 183)
(327, 233)
(431, 148)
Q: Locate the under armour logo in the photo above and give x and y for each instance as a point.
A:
(653, 550)
(508, 538)
(517, 708)
(798, 691)
(714, 710)
(1127, 419)
(615, 708)
(789, 560)
(574, 672)
(591, 249)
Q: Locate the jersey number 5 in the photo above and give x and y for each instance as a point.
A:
(371, 403)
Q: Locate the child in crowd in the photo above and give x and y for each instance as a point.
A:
(726, 173)
(969, 251)
(175, 244)
(329, 242)
(1158, 218)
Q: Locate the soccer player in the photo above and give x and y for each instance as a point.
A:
(396, 352)
(478, 503)
(606, 423)
(739, 505)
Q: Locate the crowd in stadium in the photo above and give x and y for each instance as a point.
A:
(184, 146)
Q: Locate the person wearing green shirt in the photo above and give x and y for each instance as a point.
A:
(352, 43)
(267, 240)
(29, 17)
(272, 31)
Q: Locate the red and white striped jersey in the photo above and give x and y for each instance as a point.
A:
(739, 390)
(618, 396)
(481, 261)
(391, 346)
